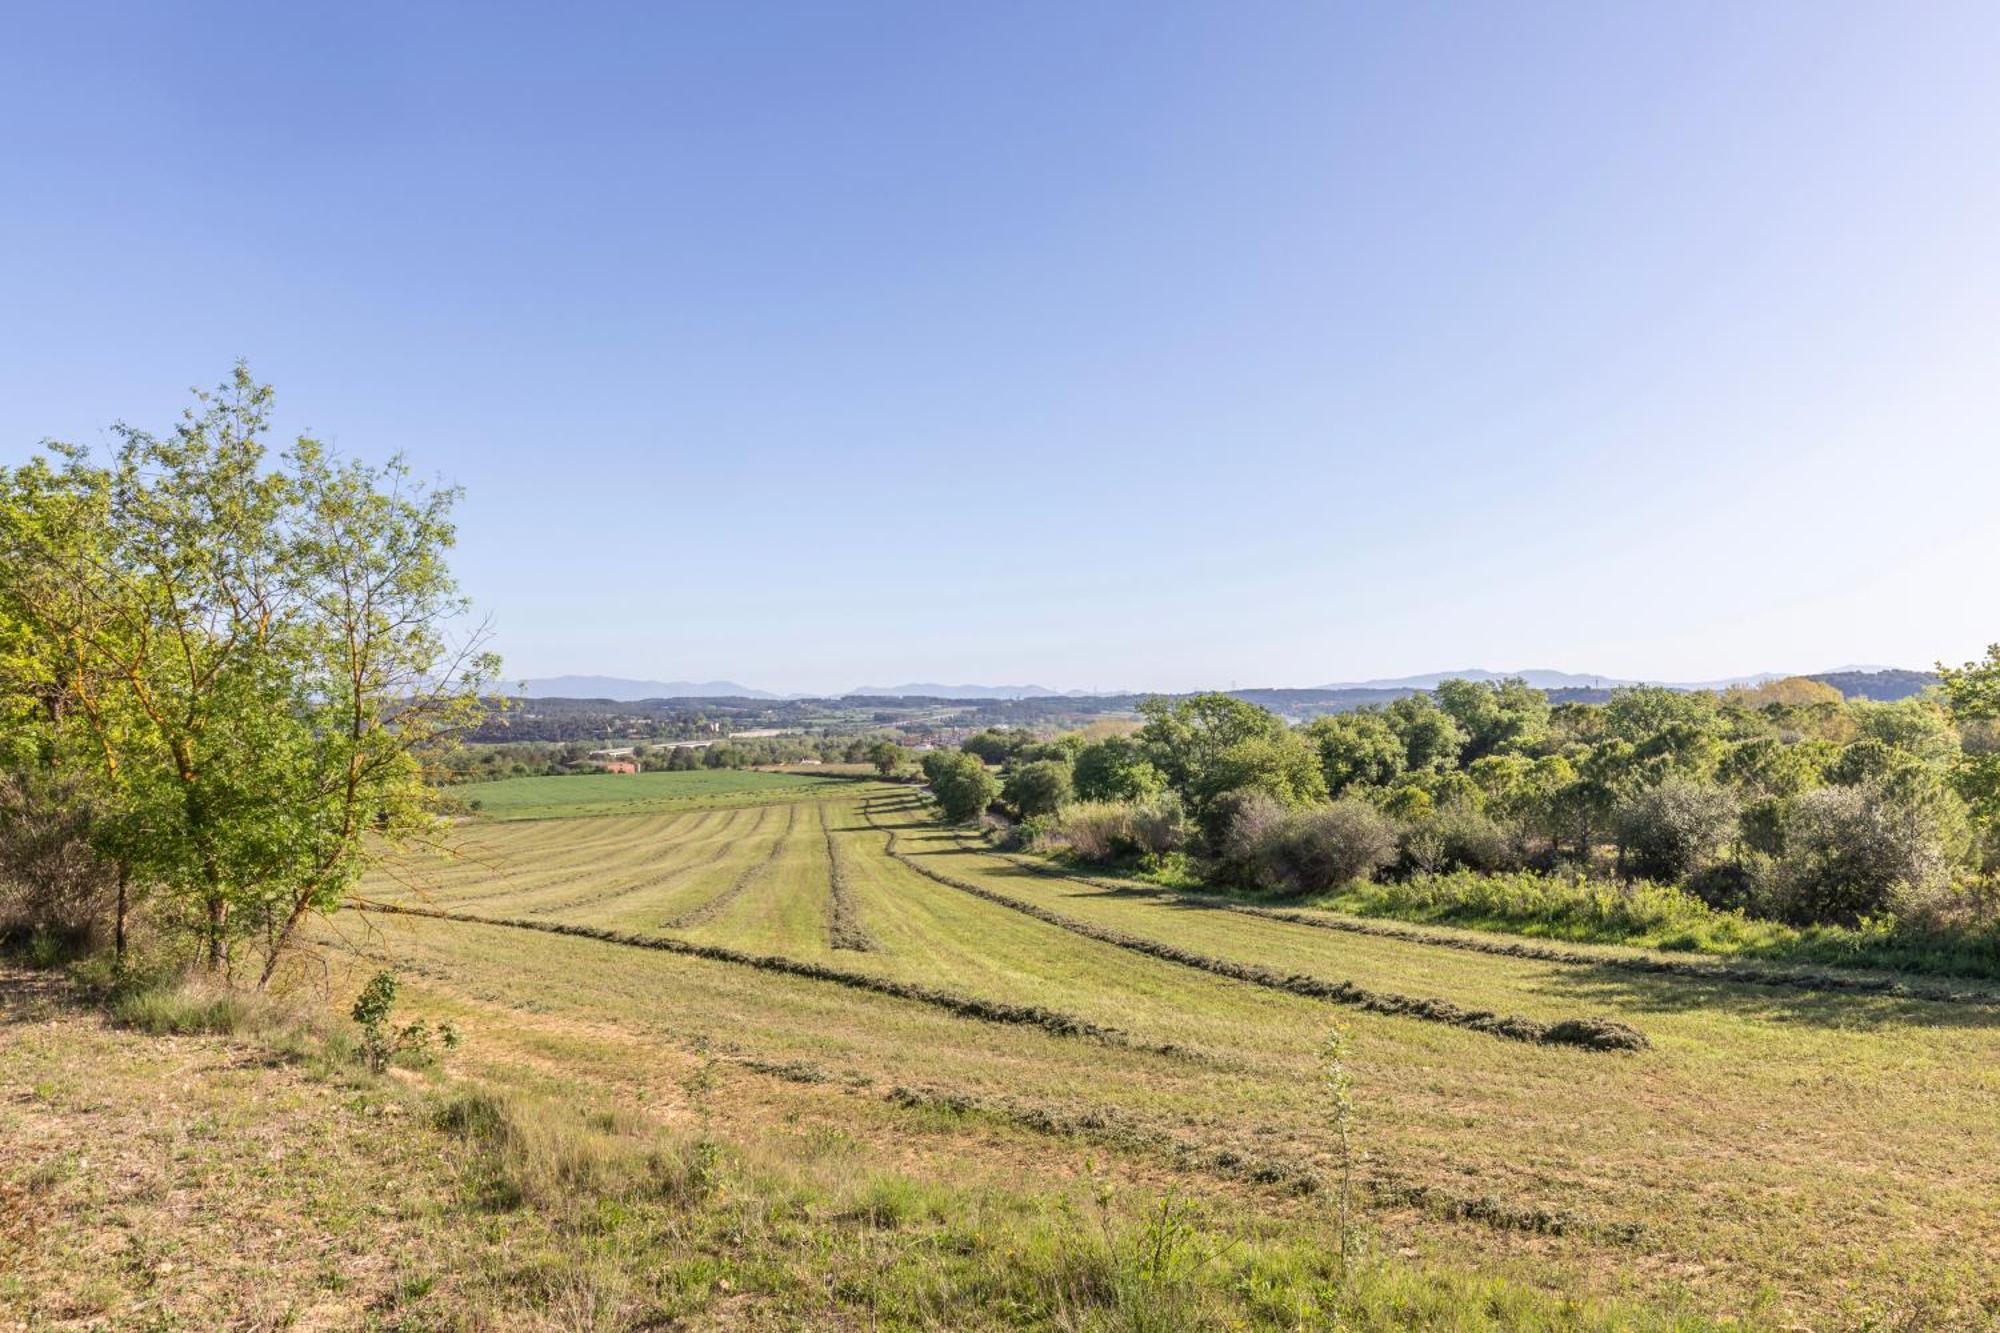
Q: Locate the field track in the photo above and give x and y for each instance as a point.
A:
(847, 944)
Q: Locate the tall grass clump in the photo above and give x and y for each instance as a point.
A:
(531, 1150)
(1102, 832)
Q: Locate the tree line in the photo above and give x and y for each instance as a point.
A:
(1787, 800)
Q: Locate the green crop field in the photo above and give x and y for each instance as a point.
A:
(1775, 1154)
(627, 793)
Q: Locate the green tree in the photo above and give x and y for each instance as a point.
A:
(1675, 828)
(280, 651)
(887, 756)
(1282, 766)
(1431, 738)
(1115, 769)
(1496, 715)
(1039, 788)
(962, 784)
(1359, 749)
(1185, 738)
(995, 745)
(1972, 697)
(1852, 852)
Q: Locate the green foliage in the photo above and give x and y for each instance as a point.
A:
(382, 1042)
(1452, 837)
(1357, 749)
(1115, 769)
(1578, 908)
(1670, 831)
(1496, 716)
(1283, 767)
(1039, 788)
(1310, 850)
(1856, 852)
(1186, 738)
(887, 756)
(997, 745)
(1431, 738)
(252, 657)
(962, 784)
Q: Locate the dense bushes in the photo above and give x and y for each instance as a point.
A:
(1039, 788)
(1308, 850)
(1104, 831)
(1784, 803)
(54, 884)
(1670, 831)
(1854, 852)
(1457, 837)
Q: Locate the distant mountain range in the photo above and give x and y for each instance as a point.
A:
(1866, 681)
(621, 690)
(932, 690)
(1543, 678)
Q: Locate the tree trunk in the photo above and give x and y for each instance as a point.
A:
(281, 940)
(218, 922)
(118, 929)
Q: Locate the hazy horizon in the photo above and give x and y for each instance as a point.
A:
(1106, 348)
(1536, 675)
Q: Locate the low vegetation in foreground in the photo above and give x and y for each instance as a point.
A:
(254, 1165)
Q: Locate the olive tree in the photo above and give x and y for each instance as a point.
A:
(1669, 831)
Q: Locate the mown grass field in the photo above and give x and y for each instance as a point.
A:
(580, 794)
(991, 1072)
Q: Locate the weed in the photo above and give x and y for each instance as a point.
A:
(380, 1042)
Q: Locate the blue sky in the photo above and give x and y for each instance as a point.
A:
(1104, 345)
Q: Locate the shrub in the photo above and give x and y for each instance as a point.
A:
(1730, 886)
(381, 1042)
(53, 884)
(1311, 850)
(1250, 821)
(1854, 852)
(1039, 788)
(1669, 831)
(1159, 825)
(1111, 830)
(1453, 838)
(1325, 846)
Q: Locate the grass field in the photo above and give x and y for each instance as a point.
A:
(628, 793)
(864, 1006)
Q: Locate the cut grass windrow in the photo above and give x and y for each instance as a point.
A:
(1052, 1021)
(1732, 973)
(1592, 1034)
(707, 911)
(843, 915)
